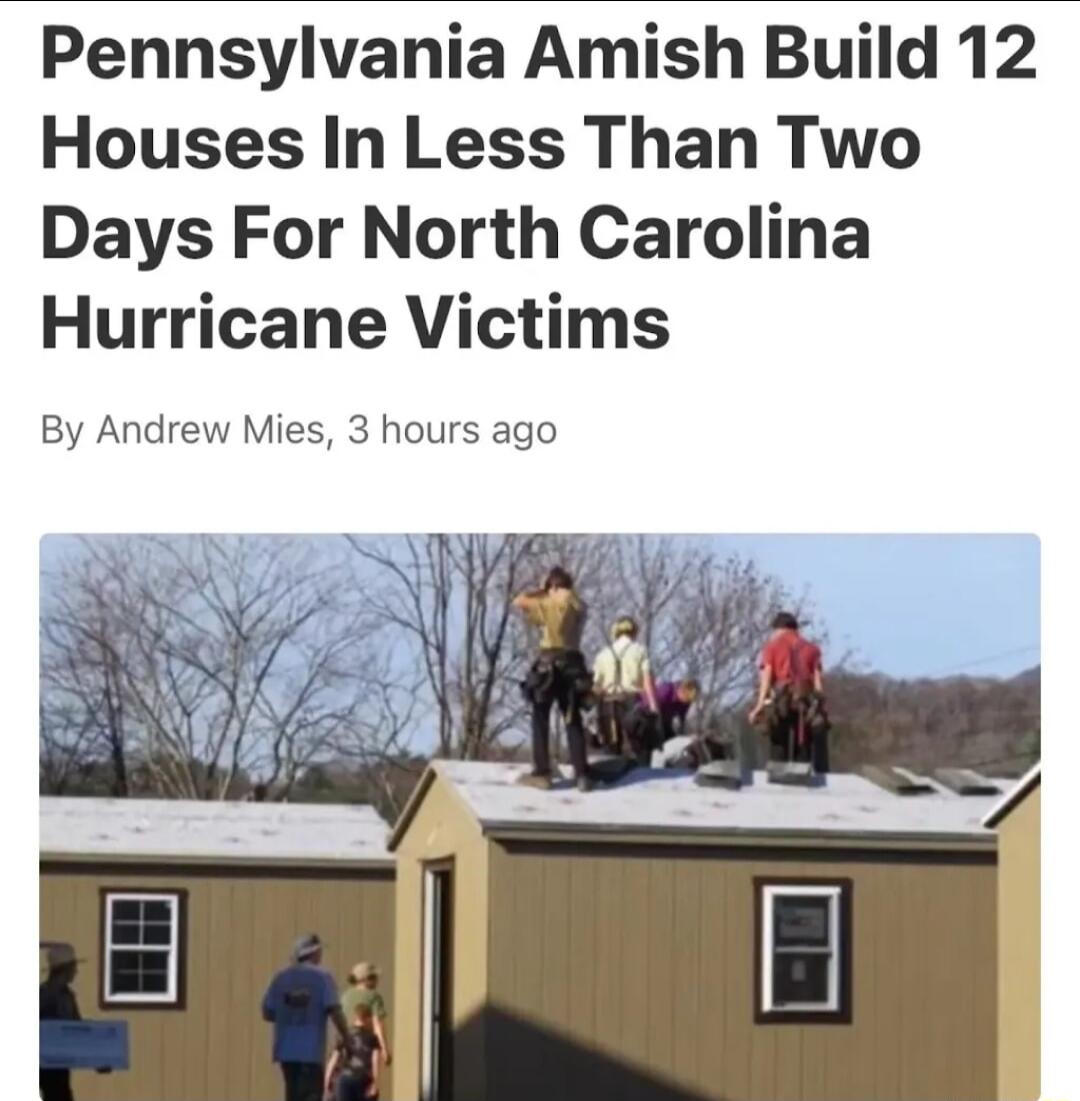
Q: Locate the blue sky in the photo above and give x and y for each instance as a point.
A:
(916, 605)
(906, 605)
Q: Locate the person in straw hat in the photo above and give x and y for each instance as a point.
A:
(363, 989)
(57, 1002)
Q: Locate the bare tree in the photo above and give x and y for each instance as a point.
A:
(191, 666)
(220, 658)
(446, 599)
(82, 708)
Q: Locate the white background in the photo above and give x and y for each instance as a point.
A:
(927, 389)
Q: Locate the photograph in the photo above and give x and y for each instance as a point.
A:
(496, 817)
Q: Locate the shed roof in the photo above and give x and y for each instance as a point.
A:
(181, 830)
(1004, 807)
(668, 802)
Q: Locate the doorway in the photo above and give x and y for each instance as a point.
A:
(436, 1048)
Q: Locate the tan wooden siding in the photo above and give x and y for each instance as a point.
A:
(240, 930)
(630, 974)
(442, 829)
(1019, 918)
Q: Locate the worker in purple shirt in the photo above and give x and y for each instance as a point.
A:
(673, 701)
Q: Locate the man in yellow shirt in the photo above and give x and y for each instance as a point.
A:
(557, 675)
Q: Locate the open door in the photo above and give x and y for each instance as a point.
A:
(436, 1049)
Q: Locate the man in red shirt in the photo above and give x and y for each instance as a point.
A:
(791, 687)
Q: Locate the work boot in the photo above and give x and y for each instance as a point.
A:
(584, 783)
(539, 780)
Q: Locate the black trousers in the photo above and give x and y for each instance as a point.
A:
(541, 738)
(643, 733)
(558, 676)
(352, 1087)
(612, 713)
(814, 747)
(303, 1081)
(55, 1085)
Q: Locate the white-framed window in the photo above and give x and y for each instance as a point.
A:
(142, 948)
(803, 941)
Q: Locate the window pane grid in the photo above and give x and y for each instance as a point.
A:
(141, 944)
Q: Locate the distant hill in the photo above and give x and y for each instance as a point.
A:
(992, 724)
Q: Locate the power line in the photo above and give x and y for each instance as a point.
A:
(985, 660)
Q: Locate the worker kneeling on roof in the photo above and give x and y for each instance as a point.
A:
(558, 674)
(621, 678)
(791, 695)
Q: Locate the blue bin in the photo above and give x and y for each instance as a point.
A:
(84, 1045)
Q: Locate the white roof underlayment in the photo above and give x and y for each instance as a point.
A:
(669, 801)
(180, 829)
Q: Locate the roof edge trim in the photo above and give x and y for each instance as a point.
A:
(412, 805)
(168, 860)
(1024, 786)
(517, 831)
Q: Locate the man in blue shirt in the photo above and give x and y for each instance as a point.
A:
(297, 1003)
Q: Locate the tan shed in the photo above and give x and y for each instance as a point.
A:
(184, 911)
(1017, 821)
(666, 941)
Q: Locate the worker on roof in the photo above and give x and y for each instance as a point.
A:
(557, 675)
(791, 694)
(673, 702)
(621, 677)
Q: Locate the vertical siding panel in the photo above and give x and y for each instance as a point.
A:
(813, 1063)
(242, 1007)
(984, 934)
(860, 1083)
(789, 1058)
(659, 965)
(556, 974)
(686, 975)
(525, 1060)
(739, 959)
(225, 949)
(966, 1055)
(262, 963)
(582, 1019)
(914, 1082)
(634, 948)
(887, 1009)
(762, 1037)
(607, 940)
(500, 934)
(196, 1022)
(715, 1057)
(944, 950)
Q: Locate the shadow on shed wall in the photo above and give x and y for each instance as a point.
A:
(526, 1062)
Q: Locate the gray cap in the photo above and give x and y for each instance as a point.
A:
(306, 946)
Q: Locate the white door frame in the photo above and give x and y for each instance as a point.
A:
(436, 882)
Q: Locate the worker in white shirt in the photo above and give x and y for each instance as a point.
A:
(621, 674)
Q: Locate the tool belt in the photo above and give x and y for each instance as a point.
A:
(562, 676)
(796, 705)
